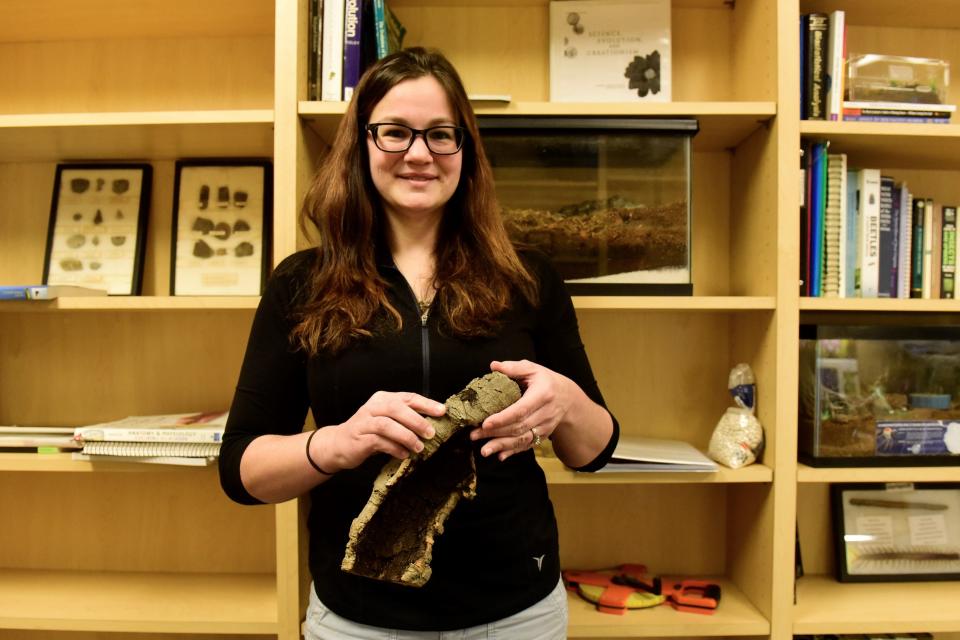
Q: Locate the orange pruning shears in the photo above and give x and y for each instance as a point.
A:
(692, 596)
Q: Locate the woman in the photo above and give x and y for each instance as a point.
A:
(413, 291)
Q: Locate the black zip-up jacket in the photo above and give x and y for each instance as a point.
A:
(498, 553)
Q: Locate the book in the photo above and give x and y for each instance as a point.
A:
(170, 428)
(395, 31)
(948, 268)
(331, 56)
(166, 459)
(936, 261)
(859, 107)
(352, 53)
(816, 67)
(869, 236)
(906, 242)
(833, 224)
(916, 248)
(314, 24)
(152, 449)
(653, 454)
(850, 286)
(855, 117)
(47, 291)
(14, 437)
(610, 51)
(836, 44)
(888, 230)
(927, 277)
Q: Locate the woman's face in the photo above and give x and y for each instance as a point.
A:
(415, 184)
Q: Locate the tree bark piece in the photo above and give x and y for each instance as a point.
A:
(392, 538)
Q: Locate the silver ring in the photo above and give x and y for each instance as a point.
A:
(536, 437)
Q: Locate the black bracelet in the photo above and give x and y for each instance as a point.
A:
(310, 460)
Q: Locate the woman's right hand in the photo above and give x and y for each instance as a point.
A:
(389, 422)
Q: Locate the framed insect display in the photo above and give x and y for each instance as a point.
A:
(98, 226)
(221, 227)
(896, 531)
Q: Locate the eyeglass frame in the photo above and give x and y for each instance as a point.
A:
(462, 131)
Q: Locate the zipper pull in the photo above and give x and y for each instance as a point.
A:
(424, 312)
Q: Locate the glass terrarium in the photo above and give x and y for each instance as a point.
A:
(608, 199)
(879, 395)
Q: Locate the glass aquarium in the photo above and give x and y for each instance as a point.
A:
(607, 199)
(882, 395)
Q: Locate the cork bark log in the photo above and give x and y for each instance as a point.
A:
(392, 538)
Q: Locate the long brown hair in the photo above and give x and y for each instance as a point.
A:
(479, 274)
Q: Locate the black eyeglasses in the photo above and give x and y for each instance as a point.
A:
(443, 140)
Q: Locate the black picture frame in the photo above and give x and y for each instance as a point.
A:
(97, 232)
(222, 226)
(896, 532)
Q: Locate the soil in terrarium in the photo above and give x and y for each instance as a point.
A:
(601, 237)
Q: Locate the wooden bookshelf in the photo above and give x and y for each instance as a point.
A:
(558, 474)
(142, 602)
(806, 473)
(881, 144)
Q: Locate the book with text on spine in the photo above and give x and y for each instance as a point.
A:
(179, 427)
(610, 51)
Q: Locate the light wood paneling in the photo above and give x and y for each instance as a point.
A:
(170, 522)
(107, 366)
(137, 75)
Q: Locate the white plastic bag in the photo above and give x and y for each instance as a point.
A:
(737, 439)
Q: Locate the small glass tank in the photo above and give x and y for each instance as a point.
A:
(879, 395)
(608, 199)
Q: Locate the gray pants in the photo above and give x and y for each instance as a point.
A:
(546, 620)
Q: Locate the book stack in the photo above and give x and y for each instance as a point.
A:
(864, 234)
(184, 439)
(345, 37)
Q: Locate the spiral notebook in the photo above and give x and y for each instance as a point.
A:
(143, 449)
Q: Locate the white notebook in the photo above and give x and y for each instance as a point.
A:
(652, 454)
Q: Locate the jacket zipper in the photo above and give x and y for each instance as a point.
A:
(424, 341)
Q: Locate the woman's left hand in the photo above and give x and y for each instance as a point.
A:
(536, 415)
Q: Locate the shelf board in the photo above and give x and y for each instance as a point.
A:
(885, 305)
(199, 303)
(114, 601)
(685, 4)
(806, 473)
(736, 616)
(676, 303)
(135, 135)
(52, 20)
(29, 460)
(558, 474)
(888, 145)
(723, 125)
(826, 606)
(132, 303)
(935, 14)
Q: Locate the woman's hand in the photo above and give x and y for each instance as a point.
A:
(546, 399)
(389, 422)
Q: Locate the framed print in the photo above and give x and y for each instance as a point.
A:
(98, 226)
(221, 227)
(896, 532)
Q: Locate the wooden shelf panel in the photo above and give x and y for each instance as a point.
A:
(138, 602)
(736, 616)
(723, 125)
(195, 303)
(687, 4)
(888, 145)
(29, 21)
(934, 14)
(676, 303)
(806, 473)
(63, 462)
(557, 473)
(827, 606)
(131, 303)
(136, 135)
(882, 305)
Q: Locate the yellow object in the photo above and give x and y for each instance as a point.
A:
(636, 600)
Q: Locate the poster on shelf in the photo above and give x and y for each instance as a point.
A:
(610, 51)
